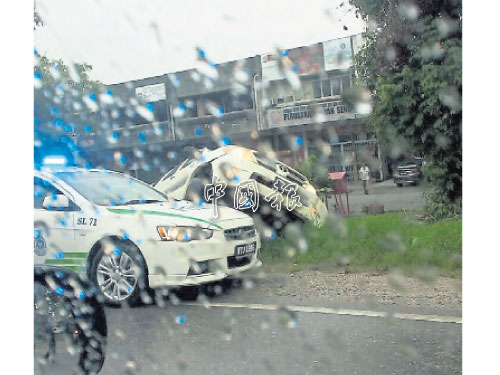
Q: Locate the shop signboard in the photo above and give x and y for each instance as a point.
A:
(307, 60)
(306, 114)
(151, 93)
(338, 54)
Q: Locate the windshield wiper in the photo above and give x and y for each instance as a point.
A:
(139, 201)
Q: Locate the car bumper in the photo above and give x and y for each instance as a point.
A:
(158, 281)
(177, 264)
(407, 178)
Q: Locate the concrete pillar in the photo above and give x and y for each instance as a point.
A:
(275, 141)
(305, 144)
(380, 164)
(355, 160)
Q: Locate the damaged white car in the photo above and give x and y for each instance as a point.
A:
(253, 182)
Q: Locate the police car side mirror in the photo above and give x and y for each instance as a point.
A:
(55, 202)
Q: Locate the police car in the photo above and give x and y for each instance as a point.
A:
(280, 191)
(127, 236)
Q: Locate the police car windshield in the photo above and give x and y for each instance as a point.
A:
(111, 189)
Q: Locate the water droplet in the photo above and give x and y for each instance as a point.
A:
(409, 11)
(287, 317)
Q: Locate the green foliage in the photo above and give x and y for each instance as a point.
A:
(412, 64)
(381, 242)
(316, 173)
(60, 94)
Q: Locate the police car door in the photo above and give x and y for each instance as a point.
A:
(53, 224)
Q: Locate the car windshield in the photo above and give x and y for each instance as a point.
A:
(111, 189)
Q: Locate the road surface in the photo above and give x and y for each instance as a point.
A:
(385, 193)
(244, 332)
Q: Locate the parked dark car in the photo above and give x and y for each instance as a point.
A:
(409, 171)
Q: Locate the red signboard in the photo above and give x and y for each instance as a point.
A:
(309, 59)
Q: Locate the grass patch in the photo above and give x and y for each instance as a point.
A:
(381, 242)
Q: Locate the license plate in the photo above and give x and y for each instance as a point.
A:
(243, 250)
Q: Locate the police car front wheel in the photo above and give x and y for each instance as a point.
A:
(119, 275)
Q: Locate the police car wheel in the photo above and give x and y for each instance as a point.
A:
(119, 276)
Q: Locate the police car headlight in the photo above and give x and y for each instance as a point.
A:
(184, 234)
(310, 189)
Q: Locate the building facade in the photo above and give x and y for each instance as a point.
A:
(290, 101)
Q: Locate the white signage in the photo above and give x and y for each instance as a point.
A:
(338, 54)
(151, 93)
(270, 68)
(308, 114)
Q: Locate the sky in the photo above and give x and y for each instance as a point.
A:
(132, 39)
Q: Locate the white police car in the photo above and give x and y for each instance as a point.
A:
(127, 236)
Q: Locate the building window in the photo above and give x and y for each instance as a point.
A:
(129, 116)
(326, 89)
(317, 90)
(331, 87)
(336, 88)
(346, 83)
(191, 108)
(224, 101)
(370, 135)
(159, 109)
(345, 138)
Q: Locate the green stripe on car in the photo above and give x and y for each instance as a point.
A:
(74, 268)
(146, 212)
(60, 262)
(76, 255)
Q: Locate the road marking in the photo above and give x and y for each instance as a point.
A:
(333, 311)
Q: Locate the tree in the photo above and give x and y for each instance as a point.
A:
(62, 94)
(412, 65)
(63, 98)
(316, 173)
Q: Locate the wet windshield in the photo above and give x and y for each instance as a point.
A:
(111, 189)
(303, 233)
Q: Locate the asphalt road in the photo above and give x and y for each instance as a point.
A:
(386, 193)
(236, 337)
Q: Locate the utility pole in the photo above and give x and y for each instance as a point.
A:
(257, 104)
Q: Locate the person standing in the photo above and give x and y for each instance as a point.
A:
(364, 175)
